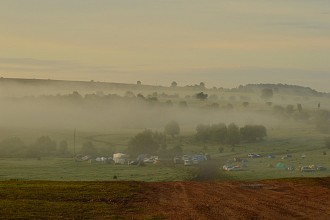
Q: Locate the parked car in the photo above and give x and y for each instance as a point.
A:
(234, 168)
(307, 169)
(253, 155)
(195, 161)
(187, 162)
(177, 160)
(286, 156)
(320, 168)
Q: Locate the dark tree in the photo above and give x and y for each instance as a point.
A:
(145, 142)
(251, 133)
(267, 93)
(172, 128)
(138, 83)
(177, 150)
(218, 133)
(174, 84)
(45, 145)
(289, 109)
(63, 148)
(140, 96)
(169, 103)
(89, 149)
(299, 107)
(233, 135)
(74, 97)
(203, 133)
(201, 96)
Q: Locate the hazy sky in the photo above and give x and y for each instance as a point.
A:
(221, 42)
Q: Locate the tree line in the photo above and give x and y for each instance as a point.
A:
(149, 142)
(231, 134)
(42, 146)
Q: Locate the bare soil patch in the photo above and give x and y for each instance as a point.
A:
(268, 199)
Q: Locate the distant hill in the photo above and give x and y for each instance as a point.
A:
(282, 89)
(99, 86)
(68, 83)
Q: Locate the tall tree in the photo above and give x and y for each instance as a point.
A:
(174, 84)
(172, 128)
(233, 134)
(146, 142)
(267, 93)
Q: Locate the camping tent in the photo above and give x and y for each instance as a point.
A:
(280, 165)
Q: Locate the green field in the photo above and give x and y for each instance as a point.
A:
(111, 123)
(295, 140)
(67, 200)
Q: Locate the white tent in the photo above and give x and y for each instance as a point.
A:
(120, 158)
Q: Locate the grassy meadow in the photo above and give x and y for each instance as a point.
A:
(114, 120)
(295, 140)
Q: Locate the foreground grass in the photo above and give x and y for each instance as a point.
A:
(67, 200)
(304, 198)
(68, 170)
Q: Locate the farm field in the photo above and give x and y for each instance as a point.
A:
(296, 141)
(298, 198)
(68, 170)
(165, 110)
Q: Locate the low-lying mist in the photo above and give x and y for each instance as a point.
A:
(96, 115)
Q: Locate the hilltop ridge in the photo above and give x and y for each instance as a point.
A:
(97, 85)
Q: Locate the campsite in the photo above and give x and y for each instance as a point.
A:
(90, 148)
(91, 166)
(164, 109)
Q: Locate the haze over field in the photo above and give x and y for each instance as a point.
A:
(221, 42)
(164, 109)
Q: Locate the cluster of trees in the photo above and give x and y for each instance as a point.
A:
(267, 93)
(290, 111)
(104, 99)
(149, 142)
(279, 89)
(43, 146)
(231, 134)
(201, 96)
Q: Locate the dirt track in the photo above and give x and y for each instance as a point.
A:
(294, 199)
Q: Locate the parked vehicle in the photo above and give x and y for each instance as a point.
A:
(234, 168)
(177, 160)
(253, 155)
(307, 169)
(187, 162)
(195, 161)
